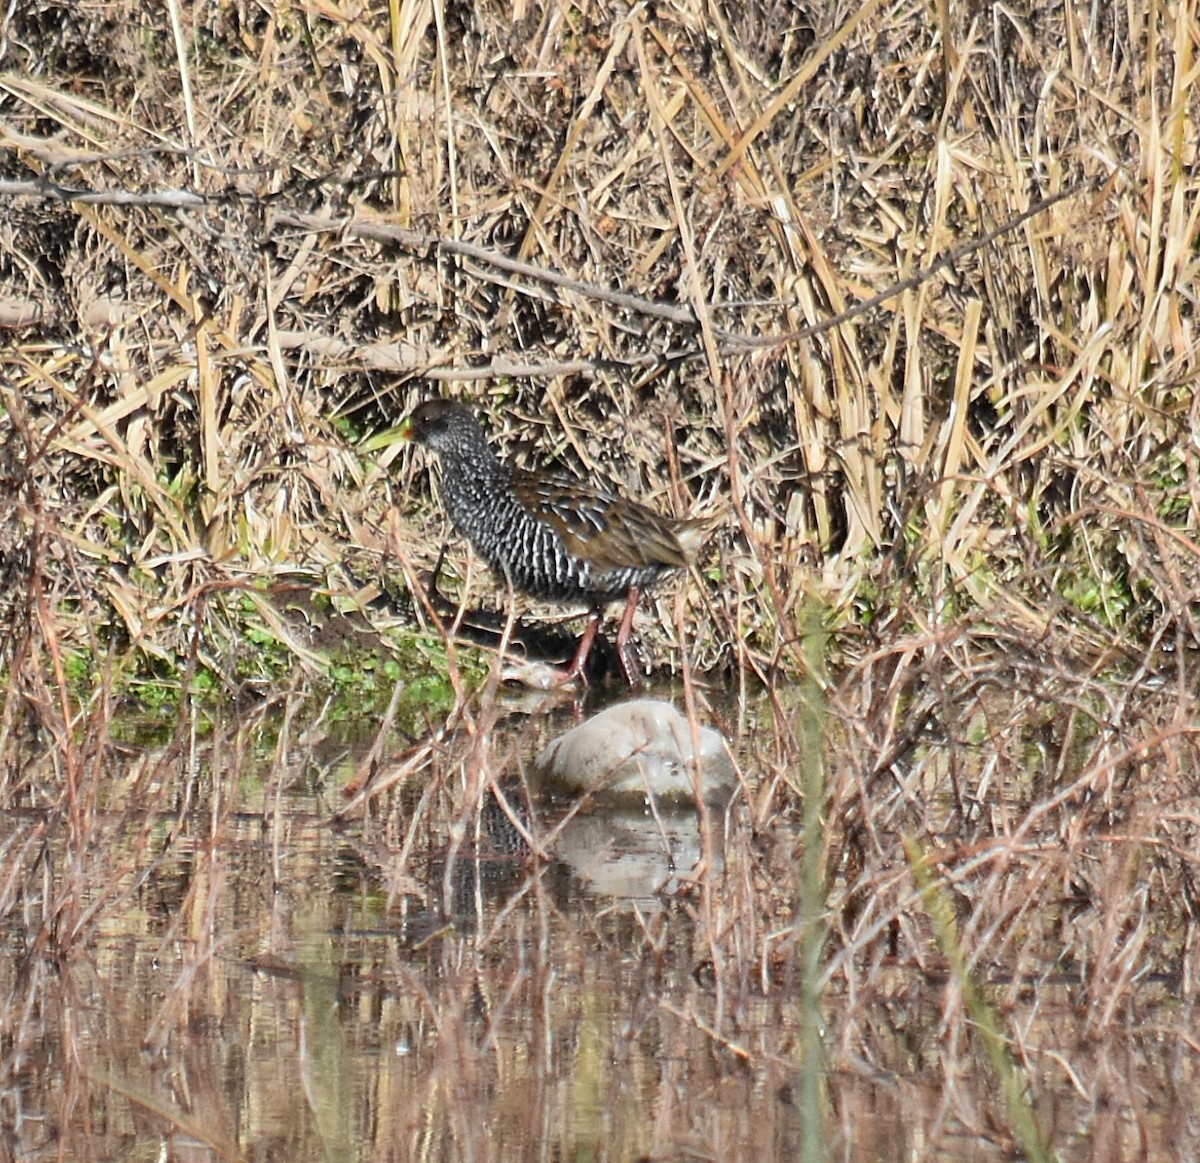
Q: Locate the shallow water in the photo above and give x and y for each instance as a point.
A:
(261, 979)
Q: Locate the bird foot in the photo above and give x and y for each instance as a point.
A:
(541, 676)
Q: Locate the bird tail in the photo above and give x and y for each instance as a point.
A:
(693, 533)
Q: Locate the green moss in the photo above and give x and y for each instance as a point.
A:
(364, 682)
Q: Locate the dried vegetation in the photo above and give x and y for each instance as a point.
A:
(623, 232)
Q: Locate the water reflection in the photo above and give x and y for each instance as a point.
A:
(273, 976)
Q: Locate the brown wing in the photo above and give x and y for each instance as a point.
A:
(607, 530)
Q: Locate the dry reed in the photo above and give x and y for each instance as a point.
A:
(239, 236)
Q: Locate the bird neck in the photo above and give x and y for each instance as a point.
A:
(477, 466)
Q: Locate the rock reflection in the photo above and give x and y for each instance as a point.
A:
(640, 857)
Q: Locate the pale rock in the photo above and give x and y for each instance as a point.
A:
(636, 750)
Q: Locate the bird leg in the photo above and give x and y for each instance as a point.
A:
(623, 649)
(576, 669)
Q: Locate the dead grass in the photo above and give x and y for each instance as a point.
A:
(379, 210)
(622, 233)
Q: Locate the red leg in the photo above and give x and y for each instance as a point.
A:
(575, 670)
(631, 675)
